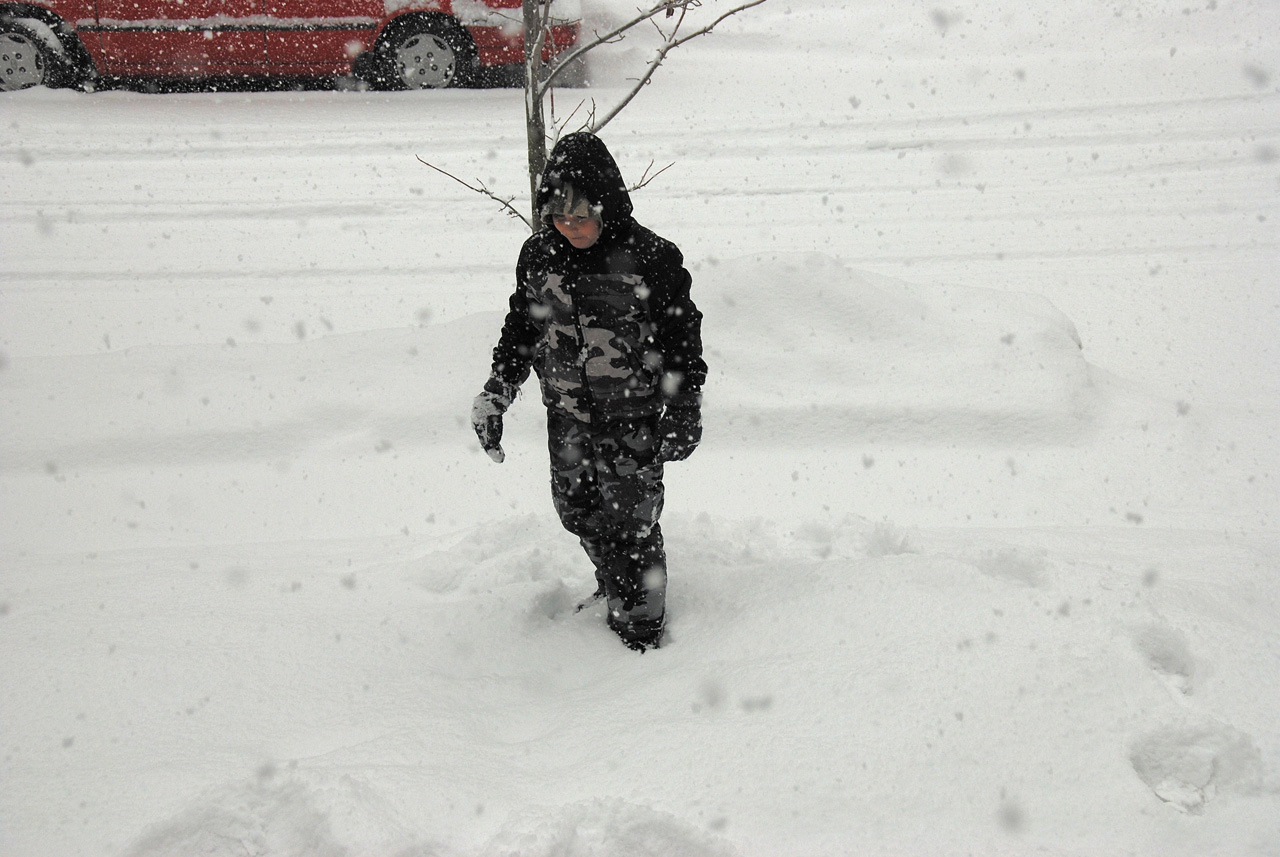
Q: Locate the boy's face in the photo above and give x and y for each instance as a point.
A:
(581, 232)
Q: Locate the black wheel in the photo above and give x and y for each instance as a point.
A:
(425, 54)
(25, 58)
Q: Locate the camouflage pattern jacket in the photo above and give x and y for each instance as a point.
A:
(611, 331)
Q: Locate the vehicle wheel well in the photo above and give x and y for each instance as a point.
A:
(398, 25)
(81, 67)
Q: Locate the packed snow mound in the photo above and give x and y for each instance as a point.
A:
(806, 346)
(801, 349)
(300, 813)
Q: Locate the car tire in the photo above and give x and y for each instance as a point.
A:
(26, 58)
(424, 53)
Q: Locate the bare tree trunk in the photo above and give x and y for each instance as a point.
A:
(535, 120)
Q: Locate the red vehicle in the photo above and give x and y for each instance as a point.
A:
(391, 44)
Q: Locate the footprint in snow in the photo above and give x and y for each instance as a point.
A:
(552, 601)
(607, 826)
(316, 813)
(1188, 766)
(1167, 654)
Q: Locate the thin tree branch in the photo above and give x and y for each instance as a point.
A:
(671, 44)
(582, 48)
(646, 178)
(565, 122)
(709, 27)
(482, 190)
(643, 81)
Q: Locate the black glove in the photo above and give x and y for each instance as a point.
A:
(680, 427)
(486, 415)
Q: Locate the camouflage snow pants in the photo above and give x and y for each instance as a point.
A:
(606, 482)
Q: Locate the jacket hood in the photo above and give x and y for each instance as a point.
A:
(582, 161)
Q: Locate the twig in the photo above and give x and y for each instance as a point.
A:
(482, 190)
(646, 178)
(583, 47)
(565, 123)
(671, 44)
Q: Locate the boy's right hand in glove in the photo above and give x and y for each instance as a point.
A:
(486, 415)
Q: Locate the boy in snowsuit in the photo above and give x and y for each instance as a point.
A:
(602, 313)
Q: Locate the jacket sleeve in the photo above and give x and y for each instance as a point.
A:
(513, 355)
(677, 325)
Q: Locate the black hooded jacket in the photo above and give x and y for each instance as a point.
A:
(611, 330)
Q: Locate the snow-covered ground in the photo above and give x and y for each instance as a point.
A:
(980, 555)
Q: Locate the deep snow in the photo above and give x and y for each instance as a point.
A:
(979, 556)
